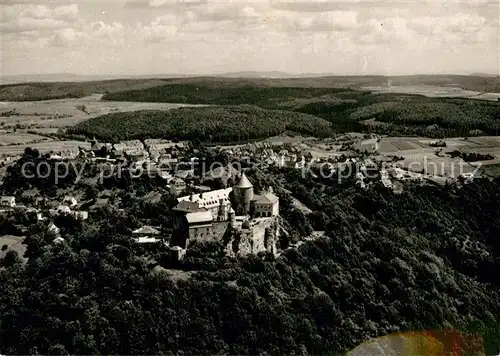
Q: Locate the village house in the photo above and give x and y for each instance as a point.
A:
(166, 160)
(34, 213)
(147, 240)
(60, 210)
(58, 240)
(100, 149)
(70, 201)
(177, 253)
(146, 234)
(177, 185)
(367, 146)
(146, 231)
(7, 201)
(184, 173)
(80, 215)
(53, 229)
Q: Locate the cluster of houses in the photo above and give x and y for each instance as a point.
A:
(66, 207)
(159, 157)
(154, 151)
(268, 154)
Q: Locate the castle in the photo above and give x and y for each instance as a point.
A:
(206, 216)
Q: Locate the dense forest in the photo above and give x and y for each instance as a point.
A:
(65, 90)
(346, 110)
(424, 259)
(132, 88)
(207, 124)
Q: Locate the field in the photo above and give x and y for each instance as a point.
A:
(434, 91)
(45, 147)
(13, 243)
(20, 138)
(68, 112)
(30, 123)
(418, 154)
(491, 170)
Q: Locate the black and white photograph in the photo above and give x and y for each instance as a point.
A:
(268, 177)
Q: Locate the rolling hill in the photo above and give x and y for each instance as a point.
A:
(207, 124)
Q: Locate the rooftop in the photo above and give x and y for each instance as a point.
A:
(199, 217)
(244, 182)
(188, 206)
(266, 198)
(205, 198)
(146, 230)
(146, 240)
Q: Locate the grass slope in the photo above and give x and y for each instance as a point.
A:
(209, 124)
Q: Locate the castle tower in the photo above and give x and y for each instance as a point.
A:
(243, 192)
(223, 210)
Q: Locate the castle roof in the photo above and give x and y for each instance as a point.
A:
(199, 217)
(188, 206)
(266, 198)
(244, 182)
(208, 198)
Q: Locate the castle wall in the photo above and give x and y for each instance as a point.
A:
(254, 240)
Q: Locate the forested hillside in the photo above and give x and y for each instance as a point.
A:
(346, 109)
(427, 258)
(65, 90)
(208, 124)
(131, 88)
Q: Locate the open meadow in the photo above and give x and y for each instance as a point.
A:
(29, 123)
(418, 154)
(434, 91)
(68, 112)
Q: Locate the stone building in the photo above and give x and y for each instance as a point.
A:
(263, 205)
(266, 204)
(217, 202)
(195, 215)
(243, 193)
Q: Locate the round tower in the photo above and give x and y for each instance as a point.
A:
(243, 192)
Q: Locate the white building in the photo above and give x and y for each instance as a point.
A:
(266, 204)
(147, 240)
(8, 201)
(217, 202)
(58, 240)
(70, 201)
(177, 185)
(53, 228)
(368, 146)
(146, 230)
(80, 215)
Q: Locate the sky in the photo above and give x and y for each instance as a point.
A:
(195, 37)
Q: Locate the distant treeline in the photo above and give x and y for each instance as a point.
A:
(207, 124)
(346, 109)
